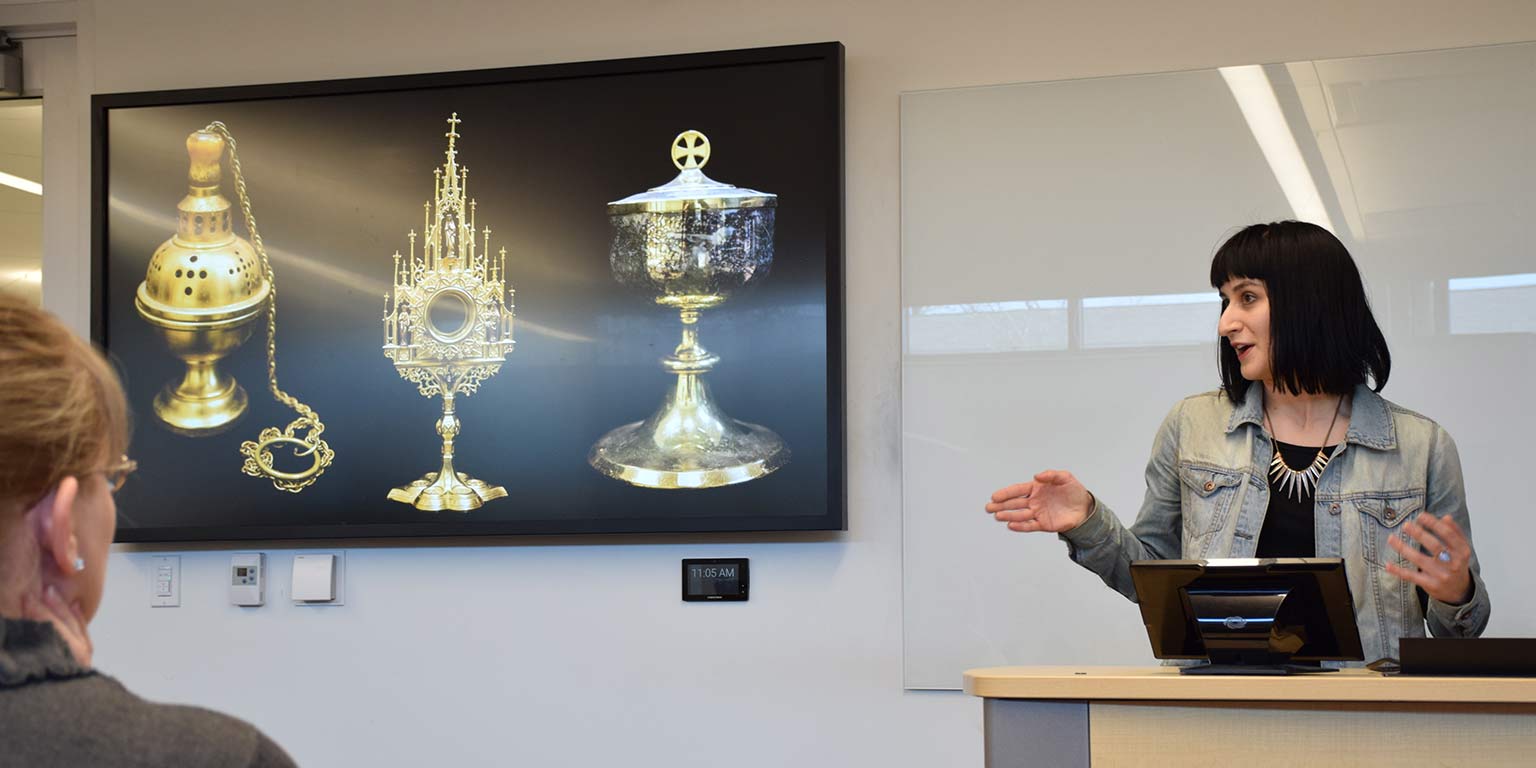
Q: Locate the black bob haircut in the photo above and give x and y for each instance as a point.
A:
(1323, 337)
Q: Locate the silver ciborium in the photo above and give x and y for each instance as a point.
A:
(690, 244)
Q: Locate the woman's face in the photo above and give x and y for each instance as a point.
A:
(95, 525)
(1245, 325)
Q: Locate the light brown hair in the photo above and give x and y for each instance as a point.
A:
(62, 409)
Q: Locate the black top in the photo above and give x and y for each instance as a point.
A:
(53, 711)
(1288, 526)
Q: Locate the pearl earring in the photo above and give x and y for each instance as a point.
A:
(79, 564)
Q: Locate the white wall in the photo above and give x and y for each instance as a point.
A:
(576, 652)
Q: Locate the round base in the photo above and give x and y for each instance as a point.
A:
(201, 415)
(462, 494)
(630, 453)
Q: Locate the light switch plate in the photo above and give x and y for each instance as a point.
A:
(309, 582)
(165, 581)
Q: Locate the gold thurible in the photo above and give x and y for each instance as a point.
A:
(690, 244)
(203, 288)
(448, 325)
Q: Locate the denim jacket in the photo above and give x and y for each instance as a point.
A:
(1208, 491)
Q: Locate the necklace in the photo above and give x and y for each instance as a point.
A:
(1299, 483)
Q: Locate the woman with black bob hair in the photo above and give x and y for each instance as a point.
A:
(1295, 456)
(1325, 339)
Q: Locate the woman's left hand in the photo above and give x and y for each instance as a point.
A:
(50, 607)
(1442, 569)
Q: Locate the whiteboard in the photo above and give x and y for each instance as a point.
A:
(1056, 244)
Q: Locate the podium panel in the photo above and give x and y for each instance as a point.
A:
(1098, 717)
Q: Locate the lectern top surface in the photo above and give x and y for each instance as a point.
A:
(1166, 684)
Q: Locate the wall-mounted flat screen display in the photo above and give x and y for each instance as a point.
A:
(602, 297)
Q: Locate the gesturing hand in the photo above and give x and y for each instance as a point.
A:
(1054, 502)
(1443, 572)
(66, 620)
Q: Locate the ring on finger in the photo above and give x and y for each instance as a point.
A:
(1444, 556)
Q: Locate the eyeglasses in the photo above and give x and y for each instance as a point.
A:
(118, 473)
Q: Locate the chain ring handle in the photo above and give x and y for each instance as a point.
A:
(258, 454)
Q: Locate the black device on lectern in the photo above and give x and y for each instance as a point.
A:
(1253, 617)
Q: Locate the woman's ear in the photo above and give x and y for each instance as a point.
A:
(54, 518)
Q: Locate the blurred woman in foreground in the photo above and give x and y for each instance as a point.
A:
(63, 433)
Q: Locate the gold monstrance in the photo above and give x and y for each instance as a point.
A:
(450, 326)
(689, 244)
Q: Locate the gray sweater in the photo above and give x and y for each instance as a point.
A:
(54, 712)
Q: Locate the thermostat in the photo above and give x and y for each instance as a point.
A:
(247, 579)
(721, 578)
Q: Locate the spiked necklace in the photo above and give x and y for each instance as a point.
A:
(1299, 483)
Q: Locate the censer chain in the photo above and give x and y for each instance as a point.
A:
(258, 461)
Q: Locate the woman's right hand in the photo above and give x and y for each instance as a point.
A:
(1054, 502)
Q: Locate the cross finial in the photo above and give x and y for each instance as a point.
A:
(690, 150)
(453, 135)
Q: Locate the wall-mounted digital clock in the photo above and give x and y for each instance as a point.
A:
(720, 578)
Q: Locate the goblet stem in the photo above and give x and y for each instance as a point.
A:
(204, 402)
(690, 357)
(448, 427)
(446, 488)
(690, 442)
(203, 380)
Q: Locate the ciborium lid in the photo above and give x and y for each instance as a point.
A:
(691, 189)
